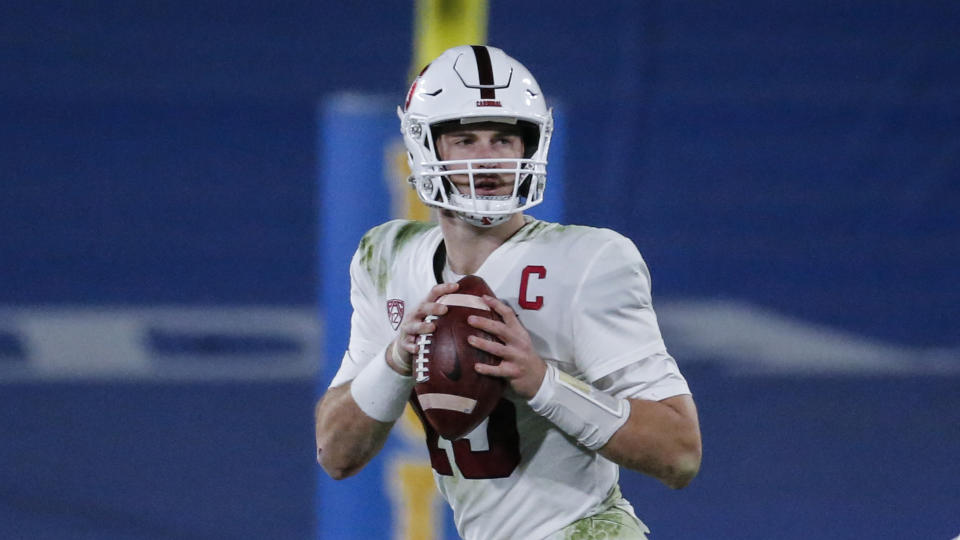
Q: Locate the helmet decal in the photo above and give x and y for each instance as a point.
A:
(413, 87)
(484, 72)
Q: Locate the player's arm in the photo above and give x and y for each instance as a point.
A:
(354, 419)
(347, 438)
(659, 438)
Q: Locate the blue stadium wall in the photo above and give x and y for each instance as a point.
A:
(790, 173)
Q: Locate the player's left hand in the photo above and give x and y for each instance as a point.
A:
(520, 365)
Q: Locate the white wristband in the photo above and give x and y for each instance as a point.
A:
(379, 391)
(579, 409)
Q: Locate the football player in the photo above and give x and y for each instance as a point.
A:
(591, 384)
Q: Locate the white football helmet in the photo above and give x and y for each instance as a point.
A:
(471, 84)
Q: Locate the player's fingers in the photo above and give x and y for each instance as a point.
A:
(503, 369)
(492, 347)
(502, 309)
(409, 345)
(428, 307)
(435, 308)
(417, 327)
(439, 290)
(509, 332)
(498, 370)
(421, 315)
(487, 369)
(411, 329)
(489, 326)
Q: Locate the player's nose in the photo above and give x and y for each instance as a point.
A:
(485, 150)
(489, 150)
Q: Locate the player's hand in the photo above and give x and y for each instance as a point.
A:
(520, 365)
(415, 323)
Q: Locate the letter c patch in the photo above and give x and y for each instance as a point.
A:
(526, 303)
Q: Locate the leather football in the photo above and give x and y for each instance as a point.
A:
(453, 397)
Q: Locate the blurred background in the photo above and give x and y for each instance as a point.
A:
(790, 172)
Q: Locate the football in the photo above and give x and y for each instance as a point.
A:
(453, 397)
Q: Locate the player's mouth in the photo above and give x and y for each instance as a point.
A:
(487, 184)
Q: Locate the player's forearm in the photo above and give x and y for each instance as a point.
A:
(661, 439)
(347, 439)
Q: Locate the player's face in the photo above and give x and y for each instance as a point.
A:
(483, 141)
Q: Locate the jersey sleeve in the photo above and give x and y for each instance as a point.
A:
(614, 322)
(655, 378)
(366, 339)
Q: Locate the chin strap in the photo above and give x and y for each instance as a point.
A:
(482, 221)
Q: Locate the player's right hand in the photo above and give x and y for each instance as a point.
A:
(417, 322)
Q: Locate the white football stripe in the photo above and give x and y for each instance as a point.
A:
(447, 402)
(464, 300)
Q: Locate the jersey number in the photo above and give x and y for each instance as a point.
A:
(493, 452)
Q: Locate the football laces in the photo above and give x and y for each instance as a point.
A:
(423, 349)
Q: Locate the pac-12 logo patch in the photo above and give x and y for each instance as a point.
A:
(395, 312)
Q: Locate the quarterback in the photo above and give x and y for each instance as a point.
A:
(591, 386)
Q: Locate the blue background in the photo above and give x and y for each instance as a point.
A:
(802, 158)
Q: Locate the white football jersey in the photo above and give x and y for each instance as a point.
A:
(583, 294)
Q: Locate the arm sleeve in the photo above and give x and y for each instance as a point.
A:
(367, 337)
(615, 324)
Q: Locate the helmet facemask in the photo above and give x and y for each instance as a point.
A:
(434, 183)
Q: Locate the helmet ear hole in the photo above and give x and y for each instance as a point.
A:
(531, 138)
